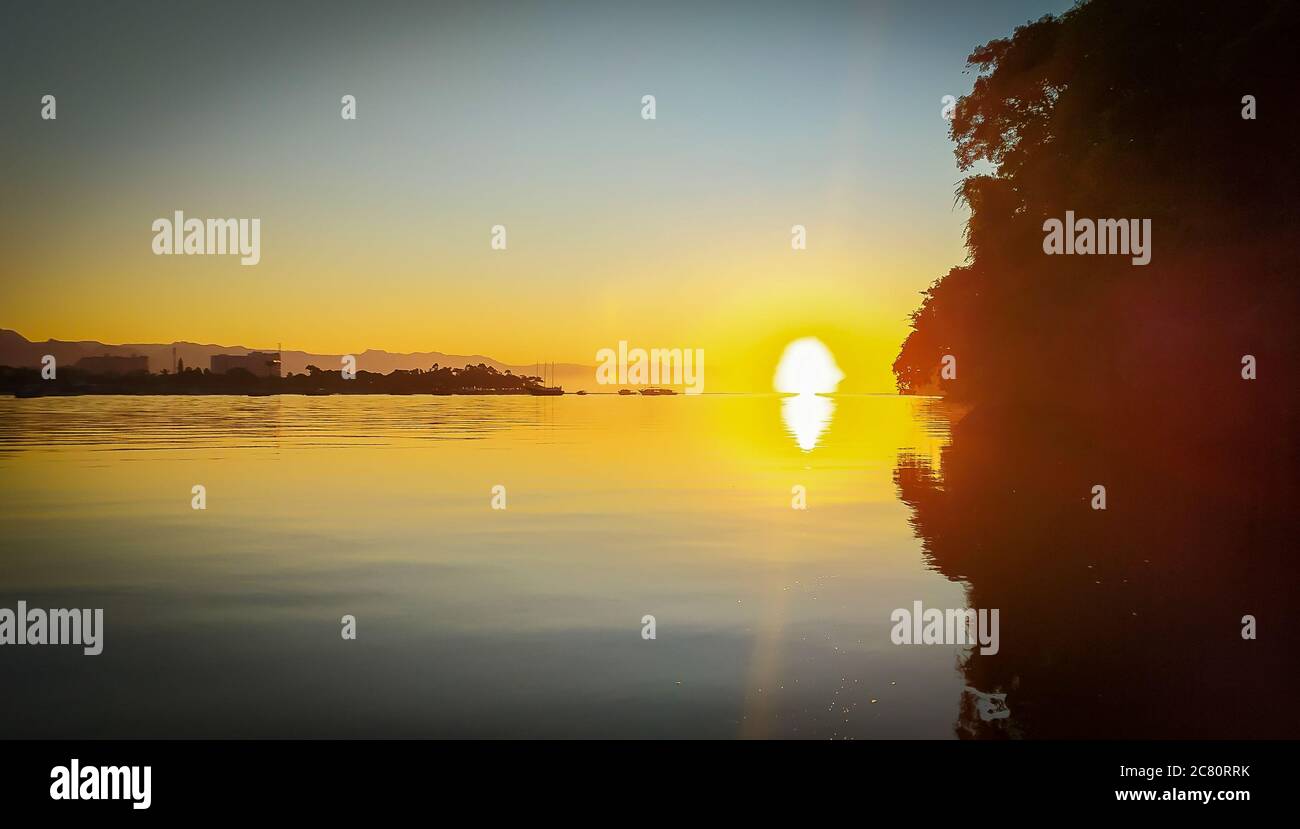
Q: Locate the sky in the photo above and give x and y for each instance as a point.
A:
(375, 233)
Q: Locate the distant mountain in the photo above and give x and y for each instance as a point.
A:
(17, 351)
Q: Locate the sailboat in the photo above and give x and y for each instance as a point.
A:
(544, 390)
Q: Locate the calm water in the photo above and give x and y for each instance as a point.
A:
(771, 621)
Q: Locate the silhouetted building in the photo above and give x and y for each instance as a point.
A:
(107, 364)
(259, 363)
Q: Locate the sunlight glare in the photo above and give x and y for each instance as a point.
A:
(807, 370)
(807, 367)
(806, 416)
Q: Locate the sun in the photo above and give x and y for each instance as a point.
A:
(807, 367)
(807, 370)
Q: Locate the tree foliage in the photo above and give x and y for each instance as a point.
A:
(1120, 109)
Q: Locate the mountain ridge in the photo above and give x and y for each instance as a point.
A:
(19, 352)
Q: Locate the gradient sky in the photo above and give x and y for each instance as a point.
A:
(375, 232)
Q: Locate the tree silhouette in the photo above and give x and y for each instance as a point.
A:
(1126, 110)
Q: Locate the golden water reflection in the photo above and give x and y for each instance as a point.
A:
(806, 417)
(472, 622)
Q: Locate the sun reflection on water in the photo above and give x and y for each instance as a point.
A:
(806, 417)
(807, 370)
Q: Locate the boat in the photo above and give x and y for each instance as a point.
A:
(626, 391)
(654, 392)
(543, 390)
(582, 391)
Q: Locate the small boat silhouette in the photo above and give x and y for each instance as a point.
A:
(654, 392)
(543, 390)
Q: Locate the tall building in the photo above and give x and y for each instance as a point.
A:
(259, 363)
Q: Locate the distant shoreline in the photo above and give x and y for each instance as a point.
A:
(72, 381)
(26, 395)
